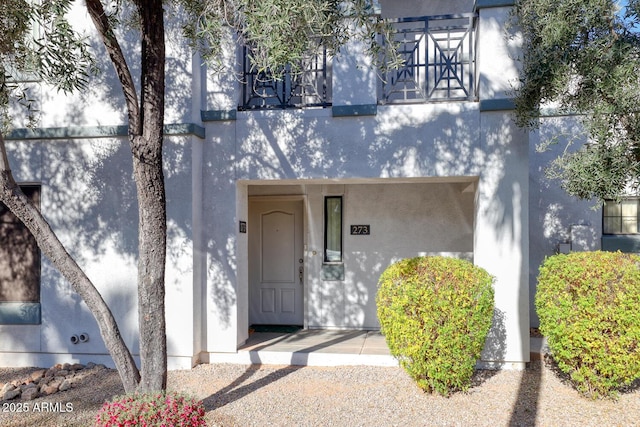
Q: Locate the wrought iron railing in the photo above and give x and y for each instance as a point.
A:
(308, 86)
(439, 60)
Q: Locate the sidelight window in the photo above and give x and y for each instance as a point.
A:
(333, 229)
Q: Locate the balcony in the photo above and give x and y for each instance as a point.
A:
(439, 54)
(308, 87)
(439, 60)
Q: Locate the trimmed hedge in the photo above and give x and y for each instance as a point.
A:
(435, 313)
(589, 309)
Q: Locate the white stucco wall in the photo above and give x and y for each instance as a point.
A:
(83, 163)
(88, 198)
(459, 174)
(406, 8)
(554, 214)
(406, 220)
(453, 141)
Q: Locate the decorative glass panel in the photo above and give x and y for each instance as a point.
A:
(333, 229)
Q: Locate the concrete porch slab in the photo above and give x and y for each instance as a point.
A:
(322, 347)
(312, 347)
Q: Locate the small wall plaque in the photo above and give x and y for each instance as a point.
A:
(243, 226)
(360, 230)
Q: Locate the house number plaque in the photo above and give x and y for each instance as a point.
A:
(360, 230)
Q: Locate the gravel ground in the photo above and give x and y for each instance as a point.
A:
(238, 395)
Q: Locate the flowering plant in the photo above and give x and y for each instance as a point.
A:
(152, 410)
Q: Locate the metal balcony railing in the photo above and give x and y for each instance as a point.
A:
(308, 87)
(439, 60)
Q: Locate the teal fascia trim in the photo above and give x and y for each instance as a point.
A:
(354, 110)
(75, 132)
(218, 115)
(331, 272)
(622, 243)
(485, 4)
(184, 129)
(497, 104)
(69, 132)
(20, 313)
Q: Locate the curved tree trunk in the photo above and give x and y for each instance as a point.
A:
(52, 248)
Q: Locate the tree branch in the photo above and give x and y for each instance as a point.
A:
(101, 22)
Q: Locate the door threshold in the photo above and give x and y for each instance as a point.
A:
(284, 329)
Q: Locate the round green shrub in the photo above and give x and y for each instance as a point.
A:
(589, 309)
(435, 313)
(152, 410)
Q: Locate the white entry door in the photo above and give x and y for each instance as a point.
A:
(276, 263)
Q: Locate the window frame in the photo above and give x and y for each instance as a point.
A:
(26, 312)
(620, 216)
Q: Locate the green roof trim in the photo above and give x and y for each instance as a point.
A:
(501, 104)
(354, 110)
(218, 115)
(485, 4)
(75, 132)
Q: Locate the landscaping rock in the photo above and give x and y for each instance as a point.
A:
(49, 389)
(66, 385)
(58, 378)
(7, 387)
(30, 393)
(36, 375)
(11, 394)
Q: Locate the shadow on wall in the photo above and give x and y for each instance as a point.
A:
(495, 347)
(553, 220)
(90, 201)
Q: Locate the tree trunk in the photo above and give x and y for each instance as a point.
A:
(52, 248)
(146, 122)
(146, 147)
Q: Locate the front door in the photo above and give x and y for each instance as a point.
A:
(276, 263)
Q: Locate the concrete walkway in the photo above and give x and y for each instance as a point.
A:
(321, 347)
(312, 347)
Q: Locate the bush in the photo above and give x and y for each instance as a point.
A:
(588, 304)
(435, 313)
(151, 410)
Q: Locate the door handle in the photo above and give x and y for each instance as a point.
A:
(301, 274)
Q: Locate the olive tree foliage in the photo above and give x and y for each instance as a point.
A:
(283, 32)
(37, 39)
(583, 57)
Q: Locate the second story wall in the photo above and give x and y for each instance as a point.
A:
(452, 51)
(405, 8)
